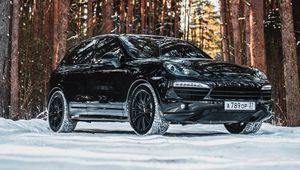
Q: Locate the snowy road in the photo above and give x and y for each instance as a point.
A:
(31, 145)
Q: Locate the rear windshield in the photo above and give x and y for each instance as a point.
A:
(161, 47)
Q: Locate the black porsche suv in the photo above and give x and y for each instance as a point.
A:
(154, 81)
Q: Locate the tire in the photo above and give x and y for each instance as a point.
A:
(243, 128)
(144, 112)
(58, 114)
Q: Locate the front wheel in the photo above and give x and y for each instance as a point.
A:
(145, 115)
(58, 114)
(243, 128)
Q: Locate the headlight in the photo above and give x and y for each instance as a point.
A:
(260, 74)
(178, 70)
(190, 84)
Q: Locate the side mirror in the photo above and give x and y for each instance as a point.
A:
(111, 58)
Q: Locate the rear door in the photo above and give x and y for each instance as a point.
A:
(75, 68)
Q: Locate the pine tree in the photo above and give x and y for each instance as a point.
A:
(56, 37)
(224, 30)
(60, 30)
(130, 17)
(122, 17)
(107, 12)
(14, 71)
(143, 24)
(4, 57)
(291, 76)
(236, 31)
(90, 18)
(257, 37)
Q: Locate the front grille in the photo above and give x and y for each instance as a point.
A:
(240, 93)
(192, 94)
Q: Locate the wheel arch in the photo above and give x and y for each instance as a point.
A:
(136, 83)
(53, 90)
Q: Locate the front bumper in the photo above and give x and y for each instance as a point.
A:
(212, 112)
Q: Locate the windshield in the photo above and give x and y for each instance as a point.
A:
(161, 47)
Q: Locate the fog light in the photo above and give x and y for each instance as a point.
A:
(266, 87)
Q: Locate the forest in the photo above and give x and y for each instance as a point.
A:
(35, 35)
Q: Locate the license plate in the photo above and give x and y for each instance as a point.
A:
(239, 106)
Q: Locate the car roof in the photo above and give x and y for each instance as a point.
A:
(133, 35)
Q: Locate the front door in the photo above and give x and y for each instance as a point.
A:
(106, 81)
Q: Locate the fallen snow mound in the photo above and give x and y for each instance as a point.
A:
(31, 145)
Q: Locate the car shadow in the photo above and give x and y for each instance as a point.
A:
(168, 134)
(200, 134)
(94, 131)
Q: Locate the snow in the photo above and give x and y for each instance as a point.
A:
(31, 145)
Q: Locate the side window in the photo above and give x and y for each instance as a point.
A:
(81, 54)
(106, 46)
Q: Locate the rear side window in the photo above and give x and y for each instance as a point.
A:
(82, 54)
(107, 45)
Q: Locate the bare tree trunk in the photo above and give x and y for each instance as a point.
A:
(60, 30)
(46, 61)
(275, 67)
(236, 31)
(79, 12)
(229, 29)
(162, 18)
(63, 28)
(90, 18)
(98, 17)
(150, 17)
(291, 77)
(146, 17)
(107, 12)
(14, 70)
(154, 16)
(247, 32)
(188, 21)
(257, 37)
(143, 16)
(176, 20)
(224, 30)
(129, 22)
(55, 44)
(170, 20)
(4, 58)
(122, 17)
(35, 19)
(296, 14)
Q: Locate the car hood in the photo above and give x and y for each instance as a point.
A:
(214, 73)
(224, 74)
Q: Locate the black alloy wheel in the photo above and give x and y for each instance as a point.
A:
(142, 110)
(56, 112)
(235, 128)
(243, 127)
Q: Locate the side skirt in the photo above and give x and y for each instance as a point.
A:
(95, 111)
(97, 118)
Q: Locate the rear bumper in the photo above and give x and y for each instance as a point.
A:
(212, 112)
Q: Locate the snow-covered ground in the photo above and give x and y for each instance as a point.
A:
(31, 145)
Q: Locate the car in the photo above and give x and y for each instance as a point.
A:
(152, 82)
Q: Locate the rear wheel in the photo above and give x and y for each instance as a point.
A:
(145, 115)
(243, 128)
(58, 114)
